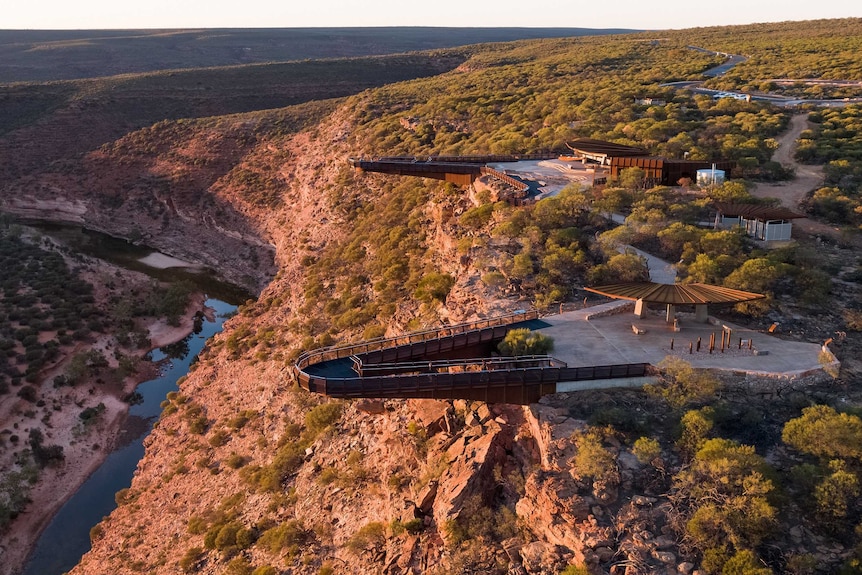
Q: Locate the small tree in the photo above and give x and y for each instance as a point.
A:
(593, 459)
(522, 341)
(434, 286)
(633, 178)
(696, 425)
(823, 432)
(646, 449)
(681, 384)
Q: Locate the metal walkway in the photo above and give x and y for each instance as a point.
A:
(460, 170)
(425, 365)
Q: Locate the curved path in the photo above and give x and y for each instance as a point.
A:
(808, 178)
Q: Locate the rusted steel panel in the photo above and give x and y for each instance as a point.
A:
(459, 179)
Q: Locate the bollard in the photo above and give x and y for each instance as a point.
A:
(740, 343)
(750, 341)
(671, 344)
(698, 344)
(690, 347)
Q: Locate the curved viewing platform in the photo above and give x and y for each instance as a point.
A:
(596, 347)
(453, 362)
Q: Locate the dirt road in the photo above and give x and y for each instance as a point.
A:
(808, 178)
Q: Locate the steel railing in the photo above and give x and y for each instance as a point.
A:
(454, 365)
(338, 352)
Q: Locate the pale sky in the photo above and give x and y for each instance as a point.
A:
(641, 14)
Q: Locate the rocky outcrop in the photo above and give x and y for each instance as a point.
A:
(472, 460)
(553, 509)
(552, 428)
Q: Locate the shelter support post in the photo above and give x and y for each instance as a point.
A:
(640, 308)
(701, 314)
(671, 313)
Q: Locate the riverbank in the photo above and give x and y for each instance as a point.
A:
(86, 445)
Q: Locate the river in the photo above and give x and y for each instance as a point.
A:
(67, 536)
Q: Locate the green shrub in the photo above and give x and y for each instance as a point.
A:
(283, 537)
(328, 475)
(522, 341)
(646, 449)
(235, 461)
(370, 535)
(190, 559)
(124, 496)
(477, 217)
(434, 287)
(239, 420)
(219, 438)
(322, 416)
(197, 525)
(593, 459)
(238, 566)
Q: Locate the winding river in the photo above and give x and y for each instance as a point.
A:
(67, 537)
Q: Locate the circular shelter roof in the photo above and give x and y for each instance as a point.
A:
(675, 294)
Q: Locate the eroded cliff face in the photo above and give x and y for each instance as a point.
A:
(159, 186)
(408, 463)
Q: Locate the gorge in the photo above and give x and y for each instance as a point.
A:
(248, 473)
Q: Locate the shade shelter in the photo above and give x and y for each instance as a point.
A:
(672, 295)
(765, 223)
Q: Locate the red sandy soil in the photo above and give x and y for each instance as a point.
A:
(84, 449)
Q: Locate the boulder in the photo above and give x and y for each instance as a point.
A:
(664, 556)
(541, 558)
(552, 429)
(371, 406)
(427, 496)
(431, 413)
(643, 500)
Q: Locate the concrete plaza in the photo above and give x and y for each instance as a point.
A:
(603, 335)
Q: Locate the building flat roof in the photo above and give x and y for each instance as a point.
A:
(756, 211)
